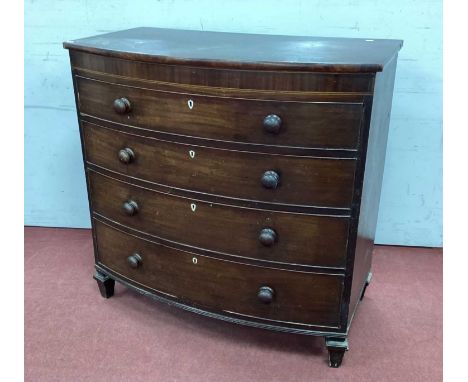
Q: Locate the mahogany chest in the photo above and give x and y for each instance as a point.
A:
(236, 176)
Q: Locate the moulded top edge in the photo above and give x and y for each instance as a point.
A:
(243, 51)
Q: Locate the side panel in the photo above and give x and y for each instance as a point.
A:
(373, 175)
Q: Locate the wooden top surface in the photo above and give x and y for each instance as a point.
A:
(243, 51)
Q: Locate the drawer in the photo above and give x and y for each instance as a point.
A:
(300, 124)
(253, 233)
(217, 285)
(295, 180)
(213, 79)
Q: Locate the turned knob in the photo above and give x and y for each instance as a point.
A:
(130, 207)
(266, 294)
(272, 124)
(270, 179)
(267, 237)
(122, 106)
(126, 155)
(134, 260)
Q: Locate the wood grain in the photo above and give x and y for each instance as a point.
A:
(372, 184)
(236, 176)
(305, 298)
(242, 50)
(302, 239)
(221, 80)
(313, 124)
(304, 180)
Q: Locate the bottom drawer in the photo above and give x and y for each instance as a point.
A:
(223, 286)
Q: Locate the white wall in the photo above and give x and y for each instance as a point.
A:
(411, 205)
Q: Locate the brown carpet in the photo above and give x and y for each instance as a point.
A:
(72, 334)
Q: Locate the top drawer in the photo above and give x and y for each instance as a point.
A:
(264, 122)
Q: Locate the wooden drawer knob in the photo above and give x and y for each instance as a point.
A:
(272, 124)
(126, 155)
(122, 106)
(266, 294)
(134, 260)
(130, 207)
(267, 237)
(270, 179)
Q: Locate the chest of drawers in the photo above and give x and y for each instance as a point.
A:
(236, 176)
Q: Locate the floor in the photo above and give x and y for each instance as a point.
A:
(72, 334)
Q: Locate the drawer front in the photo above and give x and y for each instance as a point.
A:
(301, 124)
(299, 180)
(259, 234)
(294, 297)
(226, 79)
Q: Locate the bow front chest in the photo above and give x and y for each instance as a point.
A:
(236, 176)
